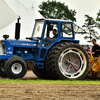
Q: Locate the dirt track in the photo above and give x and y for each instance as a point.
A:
(48, 91)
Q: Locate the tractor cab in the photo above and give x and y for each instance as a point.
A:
(66, 30)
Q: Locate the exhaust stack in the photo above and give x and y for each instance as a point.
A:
(17, 29)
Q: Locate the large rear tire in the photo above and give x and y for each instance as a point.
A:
(41, 73)
(67, 61)
(15, 67)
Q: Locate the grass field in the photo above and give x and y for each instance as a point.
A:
(50, 81)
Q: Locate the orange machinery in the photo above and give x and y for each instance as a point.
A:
(94, 70)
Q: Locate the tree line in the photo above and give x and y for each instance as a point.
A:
(57, 10)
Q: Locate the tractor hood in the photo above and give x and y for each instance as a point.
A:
(21, 43)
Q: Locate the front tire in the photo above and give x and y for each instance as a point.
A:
(15, 67)
(67, 61)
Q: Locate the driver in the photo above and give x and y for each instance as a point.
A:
(54, 31)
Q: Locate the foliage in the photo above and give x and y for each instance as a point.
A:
(38, 81)
(90, 25)
(98, 20)
(56, 10)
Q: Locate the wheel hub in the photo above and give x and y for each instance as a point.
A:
(16, 68)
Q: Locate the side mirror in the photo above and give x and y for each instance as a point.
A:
(50, 27)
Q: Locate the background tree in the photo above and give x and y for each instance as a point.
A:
(56, 10)
(98, 20)
(90, 26)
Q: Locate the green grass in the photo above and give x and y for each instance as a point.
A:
(38, 81)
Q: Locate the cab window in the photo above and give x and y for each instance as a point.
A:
(66, 30)
(49, 30)
(51, 34)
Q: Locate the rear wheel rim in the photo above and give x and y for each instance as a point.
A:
(72, 63)
(16, 68)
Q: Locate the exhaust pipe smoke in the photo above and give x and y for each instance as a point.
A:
(17, 29)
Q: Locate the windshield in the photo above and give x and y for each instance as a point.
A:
(37, 32)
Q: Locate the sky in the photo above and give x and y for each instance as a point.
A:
(82, 7)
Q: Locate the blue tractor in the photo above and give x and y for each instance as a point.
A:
(49, 56)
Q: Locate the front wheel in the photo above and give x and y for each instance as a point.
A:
(15, 67)
(67, 61)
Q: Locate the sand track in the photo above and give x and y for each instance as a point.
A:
(48, 91)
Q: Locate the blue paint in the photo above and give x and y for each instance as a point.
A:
(31, 48)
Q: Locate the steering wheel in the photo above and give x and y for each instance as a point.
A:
(47, 40)
(30, 38)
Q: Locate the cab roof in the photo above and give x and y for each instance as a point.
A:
(77, 29)
(54, 20)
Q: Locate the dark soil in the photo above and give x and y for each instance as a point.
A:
(48, 91)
